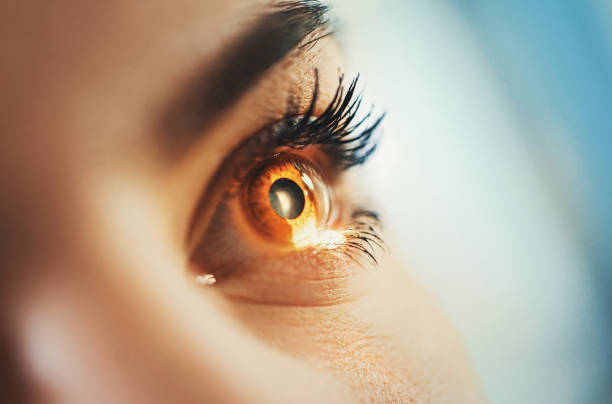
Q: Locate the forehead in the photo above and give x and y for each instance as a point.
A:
(61, 57)
(69, 28)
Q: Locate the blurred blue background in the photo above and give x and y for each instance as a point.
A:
(495, 169)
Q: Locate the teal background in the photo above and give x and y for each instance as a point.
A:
(494, 177)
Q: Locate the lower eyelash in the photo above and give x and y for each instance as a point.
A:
(363, 236)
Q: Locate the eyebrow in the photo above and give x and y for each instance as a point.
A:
(214, 89)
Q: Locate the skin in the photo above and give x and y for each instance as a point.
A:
(99, 304)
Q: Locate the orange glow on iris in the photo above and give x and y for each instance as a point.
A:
(287, 200)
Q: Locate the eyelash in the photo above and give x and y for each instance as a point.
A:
(347, 145)
(363, 235)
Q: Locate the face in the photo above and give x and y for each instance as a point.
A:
(183, 217)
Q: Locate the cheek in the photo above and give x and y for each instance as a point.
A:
(388, 345)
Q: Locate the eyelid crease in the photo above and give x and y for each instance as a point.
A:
(345, 145)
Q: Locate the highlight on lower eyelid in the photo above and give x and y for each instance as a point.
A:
(206, 279)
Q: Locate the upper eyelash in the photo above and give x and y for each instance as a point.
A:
(335, 131)
(343, 140)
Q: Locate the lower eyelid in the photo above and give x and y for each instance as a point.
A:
(297, 279)
(231, 247)
(262, 275)
(230, 234)
(248, 271)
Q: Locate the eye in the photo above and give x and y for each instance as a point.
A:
(287, 200)
(278, 224)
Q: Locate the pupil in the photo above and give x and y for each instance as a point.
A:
(286, 198)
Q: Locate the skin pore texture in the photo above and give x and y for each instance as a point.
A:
(99, 300)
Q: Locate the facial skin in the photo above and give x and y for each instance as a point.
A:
(100, 302)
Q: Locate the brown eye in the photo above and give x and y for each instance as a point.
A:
(286, 199)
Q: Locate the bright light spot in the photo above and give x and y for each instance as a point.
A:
(207, 279)
(328, 239)
(304, 235)
(285, 201)
(306, 179)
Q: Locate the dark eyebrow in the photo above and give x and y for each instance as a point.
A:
(213, 89)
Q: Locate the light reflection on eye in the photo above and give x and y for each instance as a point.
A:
(287, 200)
